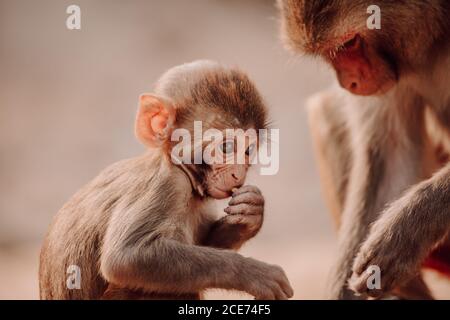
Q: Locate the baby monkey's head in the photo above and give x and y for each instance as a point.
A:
(206, 118)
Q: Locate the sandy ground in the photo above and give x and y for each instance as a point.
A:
(67, 105)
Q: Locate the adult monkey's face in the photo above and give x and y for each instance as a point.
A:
(366, 61)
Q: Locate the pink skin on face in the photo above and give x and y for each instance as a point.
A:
(360, 70)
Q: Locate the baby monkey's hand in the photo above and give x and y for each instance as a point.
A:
(246, 208)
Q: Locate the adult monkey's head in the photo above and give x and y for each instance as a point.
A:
(366, 61)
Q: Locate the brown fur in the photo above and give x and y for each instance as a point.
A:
(314, 26)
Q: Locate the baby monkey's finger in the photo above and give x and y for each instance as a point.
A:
(244, 189)
(247, 197)
(244, 209)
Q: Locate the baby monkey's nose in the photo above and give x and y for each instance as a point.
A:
(238, 180)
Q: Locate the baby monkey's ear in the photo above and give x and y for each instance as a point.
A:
(154, 121)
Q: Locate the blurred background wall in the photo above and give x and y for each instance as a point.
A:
(67, 106)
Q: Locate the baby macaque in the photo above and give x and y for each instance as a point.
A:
(144, 228)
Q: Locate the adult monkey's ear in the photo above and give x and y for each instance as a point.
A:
(154, 120)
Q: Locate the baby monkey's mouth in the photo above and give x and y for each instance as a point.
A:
(218, 193)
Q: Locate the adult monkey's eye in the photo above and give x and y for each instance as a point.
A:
(227, 147)
(353, 43)
(250, 149)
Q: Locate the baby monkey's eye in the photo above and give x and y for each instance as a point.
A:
(227, 147)
(250, 149)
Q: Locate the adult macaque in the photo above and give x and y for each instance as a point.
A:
(144, 228)
(383, 158)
